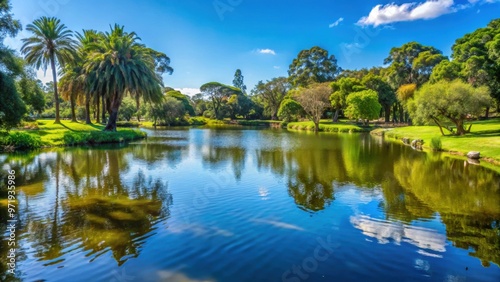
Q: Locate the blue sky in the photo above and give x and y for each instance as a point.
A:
(208, 40)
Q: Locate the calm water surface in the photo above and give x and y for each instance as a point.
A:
(252, 205)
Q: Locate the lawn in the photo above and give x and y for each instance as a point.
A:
(47, 134)
(484, 137)
(329, 126)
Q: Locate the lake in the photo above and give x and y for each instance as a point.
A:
(252, 205)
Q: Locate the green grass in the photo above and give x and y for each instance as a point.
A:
(328, 126)
(484, 137)
(48, 134)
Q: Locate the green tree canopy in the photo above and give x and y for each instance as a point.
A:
(272, 93)
(51, 43)
(218, 94)
(411, 63)
(341, 89)
(386, 95)
(313, 66)
(477, 54)
(238, 81)
(314, 100)
(363, 105)
(117, 65)
(289, 110)
(184, 99)
(452, 101)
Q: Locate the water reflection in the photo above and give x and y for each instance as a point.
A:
(89, 205)
(104, 202)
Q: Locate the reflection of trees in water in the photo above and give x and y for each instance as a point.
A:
(93, 207)
(414, 185)
(154, 153)
(218, 157)
(466, 197)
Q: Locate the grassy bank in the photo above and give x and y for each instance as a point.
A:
(44, 133)
(485, 138)
(202, 121)
(329, 126)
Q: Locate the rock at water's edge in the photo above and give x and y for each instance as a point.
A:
(474, 155)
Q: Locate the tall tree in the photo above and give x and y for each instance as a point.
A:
(411, 63)
(272, 94)
(363, 105)
(313, 66)
(218, 94)
(477, 54)
(119, 65)
(51, 43)
(314, 100)
(340, 90)
(12, 107)
(238, 81)
(386, 96)
(452, 101)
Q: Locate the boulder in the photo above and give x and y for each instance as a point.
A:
(406, 140)
(474, 155)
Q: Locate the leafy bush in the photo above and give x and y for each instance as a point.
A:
(436, 144)
(72, 138)
(21, 141)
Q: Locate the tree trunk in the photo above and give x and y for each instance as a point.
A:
(98, 108)
(56, 94)
(460, 127)
(401, 114)
(73, 115)
(87, 109)
(104, 106)
(113, 113)
(487, 113)
(394, 113)
(438, 124)
(336, 115)
(387, 110)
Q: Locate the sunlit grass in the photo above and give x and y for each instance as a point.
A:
(328, 126)
(66, 133)
(484, 137)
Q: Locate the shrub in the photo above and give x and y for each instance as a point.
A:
(21, 141)
(436, 144)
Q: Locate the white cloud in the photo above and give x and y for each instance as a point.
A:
(277, 67)
(266, 51)
(385, 14)
(336, 23)
(189, 91)
(430, 9)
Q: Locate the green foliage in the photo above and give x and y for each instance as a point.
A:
(436, 144)
(412, 63)
(72, 138)
(272, 94)
(290, 110)
(314, 101)
(184, 99)
(238, 81)
(120, 55)
(341, 90)
(12, 108)
(218, 94)
(127, 109)
(20, 141)
(363, 105)
(445, 70)
(169, 112)
(453, 101)
(51, 43)
(313, 66)
(477, 54)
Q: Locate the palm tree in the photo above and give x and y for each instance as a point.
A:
(117, 65)
(51, 43)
